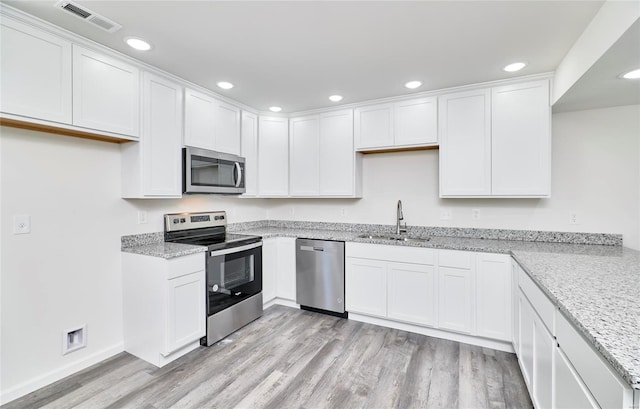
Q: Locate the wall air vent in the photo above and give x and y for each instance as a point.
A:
(88, 16)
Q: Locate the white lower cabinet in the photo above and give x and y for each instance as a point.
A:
(366, 286)
(570, 392)
(163, 306)
(455, 295)
(269, 269)
(411, 293)
(493, 296)
(543, 344)
(278, 269)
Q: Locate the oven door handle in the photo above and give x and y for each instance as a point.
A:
(222, 252)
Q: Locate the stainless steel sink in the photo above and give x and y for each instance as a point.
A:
(394, 238)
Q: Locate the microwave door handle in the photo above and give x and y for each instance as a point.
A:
(239, 173)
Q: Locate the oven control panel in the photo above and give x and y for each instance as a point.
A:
(187, 221)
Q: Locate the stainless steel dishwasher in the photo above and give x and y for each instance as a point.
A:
(320, 276)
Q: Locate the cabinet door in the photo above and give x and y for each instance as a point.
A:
(543, 346)
(269, 269)
(106, 93)
(416, 122)
(286, 272)
(493, 296)
(185, 310)
(374, 126)
(304, 157)
(515, 323)
(521, 139)
(161, 137)
(227, 128)
(36, 73)
(199, 120)
(273, 156)
(455, 299)
(570, 392)
(412, 295)
(465, 143)
(366, 286)
(337, 158)
(525, 354)
(250, 152)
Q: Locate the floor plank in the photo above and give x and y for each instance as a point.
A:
(291, 358)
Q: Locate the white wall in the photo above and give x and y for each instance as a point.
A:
(595, 174)
(67, 271)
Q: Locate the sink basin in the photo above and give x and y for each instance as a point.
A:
(394, 238)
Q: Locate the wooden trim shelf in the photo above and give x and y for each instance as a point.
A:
(398, 149)
(76, 133)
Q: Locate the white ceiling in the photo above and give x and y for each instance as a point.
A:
(295, 54)
(601, 86)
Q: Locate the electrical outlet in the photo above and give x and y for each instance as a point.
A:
(21, 224)
(343, 211)
(573, 218)
(475, 214)
(292, 211)
(445, 214)
(142, 217)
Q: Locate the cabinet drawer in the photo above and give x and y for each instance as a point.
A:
(181, 266)
(539, 301)
(455, 259)
(602, 382)
(414, 255)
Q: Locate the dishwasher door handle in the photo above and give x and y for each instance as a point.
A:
(311, 248)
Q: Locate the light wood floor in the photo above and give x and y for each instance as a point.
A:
(298, 359)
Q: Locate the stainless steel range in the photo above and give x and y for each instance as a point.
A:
(234, 270)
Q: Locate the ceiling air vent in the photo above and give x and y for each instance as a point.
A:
(89, 16)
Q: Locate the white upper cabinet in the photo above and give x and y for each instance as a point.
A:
(465, 143)
(323, 162)
(339, 164)
(273, 156)
(249, 150)
(227, 128)
(36, 73)
(153, 167)
(496, 142)
(106, 93)
(374, 126)
(521, 139)
(415, 122)
(304, 156)
(401, 124)
(199, 121)
(210, 123)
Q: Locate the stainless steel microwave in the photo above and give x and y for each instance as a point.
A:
(205, 171)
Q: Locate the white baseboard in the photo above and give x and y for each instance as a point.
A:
(280, 301)
(436, 333)
(48, 378)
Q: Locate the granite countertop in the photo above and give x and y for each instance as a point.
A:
(164, 250)
(596, 287)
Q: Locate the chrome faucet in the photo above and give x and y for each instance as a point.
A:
(400, 217)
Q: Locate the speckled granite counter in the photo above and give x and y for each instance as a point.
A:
(597, 287)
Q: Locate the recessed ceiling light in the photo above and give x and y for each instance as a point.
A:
(225, 85)
(138, 43)
(631, 75)
(335, 98)
(516, 66)
(275, 109)
(413, 84)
